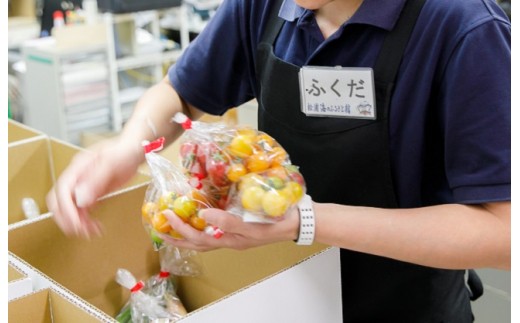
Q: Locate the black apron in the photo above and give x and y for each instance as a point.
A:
(346, 161)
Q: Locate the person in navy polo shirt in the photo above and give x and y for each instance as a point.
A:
(398, 115)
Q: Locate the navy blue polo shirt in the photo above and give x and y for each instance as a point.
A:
(450, 115)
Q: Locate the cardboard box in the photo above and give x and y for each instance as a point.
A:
(19, 283)
(47, 305)
(17, 131)
(34, 165)
(25, 8)
(277, 283)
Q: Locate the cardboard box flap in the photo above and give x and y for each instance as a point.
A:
(14, 273)
(29, 176)
(309, 291)
(47, 305)
(227, 271)
(17, 131)
(31, 308)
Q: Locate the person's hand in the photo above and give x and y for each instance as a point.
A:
(90, 175)
(237, 234)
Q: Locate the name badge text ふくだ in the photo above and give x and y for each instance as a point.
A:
(345, 92)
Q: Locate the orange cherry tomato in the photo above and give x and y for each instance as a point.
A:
(160, 223)
(175, 234)
(278, 156)
(258, 162)
(266, 141)
(236, 171)
(203, 202)
(198, 223)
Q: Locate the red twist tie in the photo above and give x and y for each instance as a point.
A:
(164, 274)
(217, 233)
(137, 287)
(183, 120)
(213, 231)
(186, 125)
(153, 146)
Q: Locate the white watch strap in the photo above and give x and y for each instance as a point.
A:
(306, 235)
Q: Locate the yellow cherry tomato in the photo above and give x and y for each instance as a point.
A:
(249, 180)
(147, 211)
(274, 204)
(166, 201)
(241, 146)
(252, 197)
(184, 207)
(247, 131)
(293, 190)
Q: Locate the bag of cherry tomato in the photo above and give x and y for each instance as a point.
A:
(170, 190)
(240, 169)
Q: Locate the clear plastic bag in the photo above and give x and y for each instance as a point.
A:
(153, 301)
(171, 190)
(142, 306)
(180, 262)
(240, 169)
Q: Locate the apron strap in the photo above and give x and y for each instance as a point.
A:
(274, 23)
(394, 45)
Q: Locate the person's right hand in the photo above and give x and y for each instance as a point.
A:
(90, 175)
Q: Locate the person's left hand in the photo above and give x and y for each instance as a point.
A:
(237, 235)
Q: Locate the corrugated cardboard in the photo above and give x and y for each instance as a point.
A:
(19, 283)
(267, 284)
(29, 174)
(47, 305)
(34, 164)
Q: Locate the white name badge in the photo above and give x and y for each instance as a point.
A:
(346, 92)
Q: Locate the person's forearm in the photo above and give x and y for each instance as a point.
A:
(445, 236)
(152, 116)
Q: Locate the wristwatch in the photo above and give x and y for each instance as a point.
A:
(307, 222)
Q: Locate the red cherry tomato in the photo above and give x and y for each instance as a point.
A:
(216, 167)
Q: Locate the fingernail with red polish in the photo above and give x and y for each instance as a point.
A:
(214, 231)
